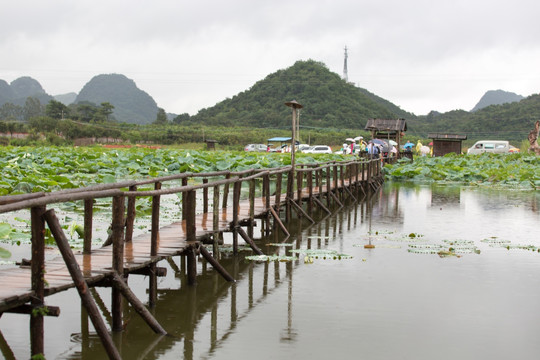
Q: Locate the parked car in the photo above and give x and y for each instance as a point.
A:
(319, 149)
(256, 147)
(489, 146)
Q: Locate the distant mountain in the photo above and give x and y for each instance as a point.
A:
(66, 99)
(496, 97)
(20, 89)
(131, 105)
(328, 102)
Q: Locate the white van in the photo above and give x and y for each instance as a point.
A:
(490, 146)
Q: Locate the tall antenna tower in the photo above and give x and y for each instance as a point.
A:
(345, 75)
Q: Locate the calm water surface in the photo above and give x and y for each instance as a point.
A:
(383, 303)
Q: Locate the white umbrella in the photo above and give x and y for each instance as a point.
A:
(358, 138)
(392, 142)
(350, 139)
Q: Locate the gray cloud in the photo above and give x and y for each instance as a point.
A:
(419, 54)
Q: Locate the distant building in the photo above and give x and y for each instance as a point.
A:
(446, 143)
(389, 129)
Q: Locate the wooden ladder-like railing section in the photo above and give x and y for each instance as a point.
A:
(305, 190)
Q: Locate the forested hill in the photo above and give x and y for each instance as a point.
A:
(511, 121)
(131, 105)
(329, 102)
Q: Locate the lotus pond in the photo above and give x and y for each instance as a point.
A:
(452, 273)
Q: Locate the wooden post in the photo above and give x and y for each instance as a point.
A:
(226, 192)
(191, 227)
(335, 177)
(328, 186)
(131, 213)
(191, 265)
(279, 182)
(118, 259)
(251, 206)
(215, 222)
(80, 283)
(290, 195)
(38, 281)
(342, 180)
(299, 186)
(205, 196)
(309, 185)
(154, 240)
(267, 205)
(88, 218)
(184, 183)
(236, 207)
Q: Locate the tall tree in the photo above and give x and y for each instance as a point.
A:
(56, 110)
(161, 118)
(11, 112)
(106, 110)
(32, 108)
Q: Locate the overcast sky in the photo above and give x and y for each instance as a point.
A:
(421, 55)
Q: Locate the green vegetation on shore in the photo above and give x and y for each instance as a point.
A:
(513, 170)
(34, 169)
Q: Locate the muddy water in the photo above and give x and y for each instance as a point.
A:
(400, 300)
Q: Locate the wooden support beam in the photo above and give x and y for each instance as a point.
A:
(249, 241)
(215, 264)
(80, 283)
(350, 193)
(336, 199)
(318, 202)
(278, 221)
(301, 211)
(139, 307)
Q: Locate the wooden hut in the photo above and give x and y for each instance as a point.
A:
(211, 144)
(390, 129)
(446, 143)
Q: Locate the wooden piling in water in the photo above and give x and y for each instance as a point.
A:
(80, 284)
(130, 216)
(117, 260)
(38, 273)
(88, 220)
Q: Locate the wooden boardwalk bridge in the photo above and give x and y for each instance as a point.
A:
(268, 194)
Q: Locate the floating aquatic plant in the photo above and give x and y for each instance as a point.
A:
(324, 254)
(425, 248)
(229, 248)
(281, 244)
(496, 242)
(268, 258)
